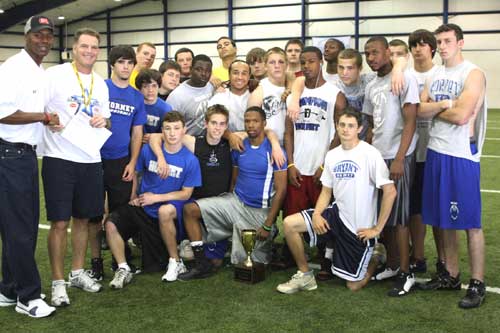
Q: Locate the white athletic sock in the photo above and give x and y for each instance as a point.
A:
(77, 272)
(57, 282)
(196, 243)
(125, 266)
(308, 273)
(329, 253)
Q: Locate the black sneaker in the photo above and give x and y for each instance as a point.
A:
(97, 269)
(418, 266)
(474, 296)
(403, 284)
(443, 281)
(199, 271)
(440, 267)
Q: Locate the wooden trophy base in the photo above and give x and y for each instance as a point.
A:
(250, 275)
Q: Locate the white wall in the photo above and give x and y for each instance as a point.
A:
(482, 49)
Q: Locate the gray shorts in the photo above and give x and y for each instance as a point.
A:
(225, 216)
(400, 214)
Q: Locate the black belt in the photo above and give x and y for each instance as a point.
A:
(18, 145)
(472, 140)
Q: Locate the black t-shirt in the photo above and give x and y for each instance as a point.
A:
(216, 167)
(163, 97)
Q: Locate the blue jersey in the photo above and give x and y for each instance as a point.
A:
(184, 172)
(255, 181)
(155, 113)
(127, 110)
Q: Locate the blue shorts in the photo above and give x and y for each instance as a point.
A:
(451, 192)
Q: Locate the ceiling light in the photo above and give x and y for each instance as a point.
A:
(60, 17)
(118, 0)
(1, 11)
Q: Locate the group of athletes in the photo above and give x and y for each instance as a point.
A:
(359, 163)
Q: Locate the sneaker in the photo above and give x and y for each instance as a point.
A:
(85, 282)
(36, 308)
(174, 269)
(476, 292)
(402, 286)
(325, 273)
(418, 266)
(5, 301)
(440, 267)
(59, 295)
(442, 281)
(385, 273)
(185, 250)
(299, 281)
(97, 270)
(121, 278)
(199, 271)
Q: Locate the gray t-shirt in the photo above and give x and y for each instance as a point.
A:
(192, 102)
(387, 112)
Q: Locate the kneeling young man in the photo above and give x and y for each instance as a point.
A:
(353, 173)
(142, 213)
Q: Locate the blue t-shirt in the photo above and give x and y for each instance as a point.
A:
(127, 110)
(155, 114)
(255, 181)
(184, 172)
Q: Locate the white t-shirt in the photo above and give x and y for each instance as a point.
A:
(64, 96)
(423, 125)
(236, 104)
(22, 87)
(387, 112)
(274, 107)
(314, 129)
(447, 138)
(354, 176)
(328, 77)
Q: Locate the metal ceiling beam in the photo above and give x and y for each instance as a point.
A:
(24, 11)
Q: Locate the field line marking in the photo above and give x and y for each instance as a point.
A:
(490, 191)
(47, 227)
(492, 128)
(493, 139)
(490, 156)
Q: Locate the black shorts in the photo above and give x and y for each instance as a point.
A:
(132, 220)
(72, 189)
(118, 190)
(417, 189)
(351, 256)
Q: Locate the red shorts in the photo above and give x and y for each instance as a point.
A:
(304, 197)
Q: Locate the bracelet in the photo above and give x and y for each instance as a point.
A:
(46, 118)
(322, 168)
(290, 165)
(266, 228)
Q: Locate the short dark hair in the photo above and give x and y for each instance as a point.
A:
(294, 41)
(183, 50)
(399, 42)
(172, 117)
(423, 36)
(225, 37)
(121, 51)
(450, 27)
(352, 54)
(255, 54)
(146, 76)
(86, 31)
(313, 49)
(216, 109)
(350, 112)
(169, 64)
(380, 39)
(140, 46)
(257, 109)
(339, 43)
(238, 61)
(201, 57)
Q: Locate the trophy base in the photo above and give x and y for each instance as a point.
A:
(250, 275)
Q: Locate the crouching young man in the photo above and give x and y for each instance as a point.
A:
(353, 173)
(142, 213)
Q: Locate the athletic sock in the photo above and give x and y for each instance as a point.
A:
(77, 272)
(308, 273)
(125, 266)
(57, 282)
(329, 253)
(196, 244)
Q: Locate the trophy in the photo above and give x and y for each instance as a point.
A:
(249, 271)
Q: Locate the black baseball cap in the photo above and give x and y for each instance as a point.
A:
(37, 23)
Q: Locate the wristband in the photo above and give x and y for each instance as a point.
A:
(266, 228)
(46, 118)
(322, 168)
(290, 165)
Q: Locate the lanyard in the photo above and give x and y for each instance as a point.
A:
(86, 101)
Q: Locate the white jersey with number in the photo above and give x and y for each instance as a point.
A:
(65, 98)
(314, 129)
(274, 107)
(447, 138)
(355, 175)
(423, 125)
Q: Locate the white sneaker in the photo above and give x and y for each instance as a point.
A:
(174, 269)
(59, 295)
(121, 278)
(299, 281)
(185, 250)
(85, 282)
(36, 308)
(5, 301)
(387, 273)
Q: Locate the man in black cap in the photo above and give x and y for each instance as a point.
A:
(21, 119)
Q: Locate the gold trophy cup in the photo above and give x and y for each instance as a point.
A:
(248, 271)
